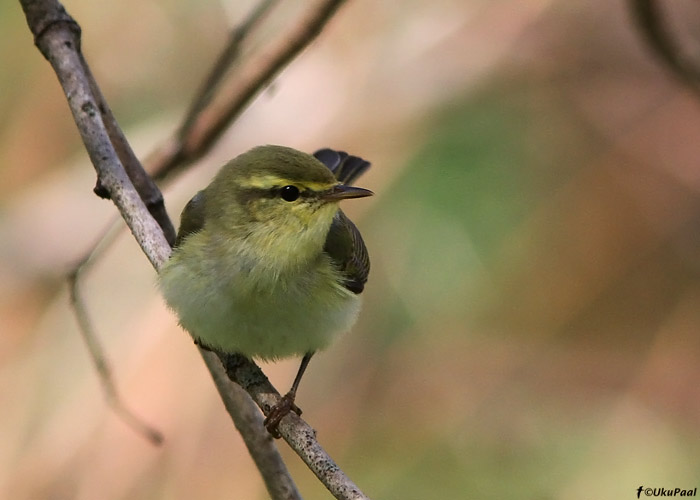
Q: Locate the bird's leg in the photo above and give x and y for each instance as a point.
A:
(286, 404)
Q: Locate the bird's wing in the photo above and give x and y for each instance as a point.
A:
(345, 167)
(192, 218)
(348, 252)
(344, 243)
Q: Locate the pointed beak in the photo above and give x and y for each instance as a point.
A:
(343, 192)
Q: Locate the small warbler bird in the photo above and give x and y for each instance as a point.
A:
(266, 264)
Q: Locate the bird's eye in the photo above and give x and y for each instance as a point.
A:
(289, 193)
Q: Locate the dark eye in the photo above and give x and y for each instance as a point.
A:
(289, 193)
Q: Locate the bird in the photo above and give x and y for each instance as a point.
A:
(265, 263)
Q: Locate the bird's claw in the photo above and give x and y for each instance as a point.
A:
(278, 412)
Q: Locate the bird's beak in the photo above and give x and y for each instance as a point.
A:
(343, 192)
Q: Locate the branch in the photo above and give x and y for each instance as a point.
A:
(94, 347)
(228, 56)
(148, 191)
(57, 36)
(144, 184)
(249, 422)
(300, 436)
(199, 133)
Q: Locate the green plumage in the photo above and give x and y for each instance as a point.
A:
(265, 263)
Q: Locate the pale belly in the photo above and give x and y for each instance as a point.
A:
(291, 315)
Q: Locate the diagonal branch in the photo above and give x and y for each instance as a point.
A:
(199, 133)
(249, 423)
(93, 345)
(57, 36)
(144, 184)
(212, 83)
(300, 436)
(154, 200)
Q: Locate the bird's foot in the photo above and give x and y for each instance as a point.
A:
(279, 411)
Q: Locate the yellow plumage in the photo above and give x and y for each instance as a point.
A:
(249, 274)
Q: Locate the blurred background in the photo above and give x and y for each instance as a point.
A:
(531, 325)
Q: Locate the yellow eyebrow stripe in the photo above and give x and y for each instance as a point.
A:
(270, 181)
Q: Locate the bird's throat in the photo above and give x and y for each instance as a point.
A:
(290, 246)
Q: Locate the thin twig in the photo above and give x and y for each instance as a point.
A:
(57, 36)
(228, 56)
(95, 350)
(247, 83)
